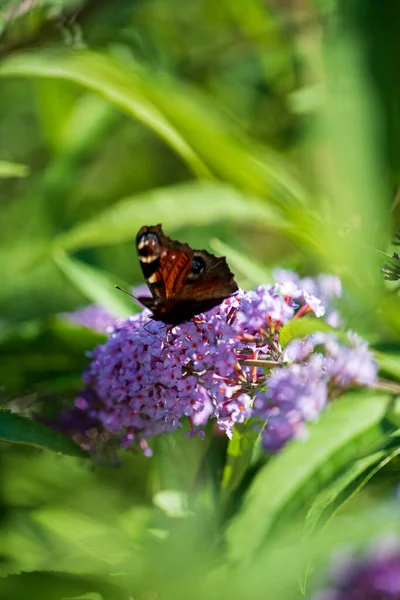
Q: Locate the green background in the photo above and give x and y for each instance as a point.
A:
(265, 131)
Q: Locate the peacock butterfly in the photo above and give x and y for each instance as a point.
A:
(183, 282)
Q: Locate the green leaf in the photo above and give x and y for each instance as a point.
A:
(255, 273)
(96, 285)
(389, 363)
(53, 583)
(329, 495)
(9, 169)
(173, 502)
(372, 464)
(89, 541)
(115, 82)
(239, 456)
(300, 328)
(174, 207)
(20, 430)
(45, 356)
(184, 118)
(346, 430)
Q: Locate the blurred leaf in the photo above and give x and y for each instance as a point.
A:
(8, 169)
(372, 464)
(42, 355)
(96, 285)
(239, 456)
(389, 363)
(19, 430)
(56, 101)
(254, 17)
(300, 328)
(88, 541)
(88, 596)
(254, 272)
(180, 115)
(174, 207)
(119, 85)
(359, 199)
(53, 585)
(173, 502)
(330, 494)
(347, 429)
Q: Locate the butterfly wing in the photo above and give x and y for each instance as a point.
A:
(165, 263)
(183, 281)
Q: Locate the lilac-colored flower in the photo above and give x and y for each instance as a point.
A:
(263, 302)
(353, 365)
(321, 292)
(295, 394)
(321, 369)
(374, 576)
(231, 411)
(325, 287)
(94, 317)
(345, 365)
(298, 350)
(148, 378)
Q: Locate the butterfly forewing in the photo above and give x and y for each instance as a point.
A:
(165, 263)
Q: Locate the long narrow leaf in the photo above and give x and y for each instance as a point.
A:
(97, 285)
(179, 114)
(20, 430)
(251, 269)
(174, 207)
(335, 441)
(9, 169)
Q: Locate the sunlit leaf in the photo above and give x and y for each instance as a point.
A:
(329, 495)
(179, 114)
(174, 207)
(254, 272)
(119, 85)
(370, 465)
(8, 169)
(300, 328)
(239, 456)
(19, 430)
(389, 363)
(344, 432)
(97, 285)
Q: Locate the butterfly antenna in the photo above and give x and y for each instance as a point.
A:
(125, 292)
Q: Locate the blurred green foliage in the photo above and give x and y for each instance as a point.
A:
(267, 131)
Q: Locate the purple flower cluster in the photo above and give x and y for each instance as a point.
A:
(375, 576)
(319, 369)
(326, 288)
(149, 378)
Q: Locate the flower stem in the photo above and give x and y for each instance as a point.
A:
(260, 363)
(388, 386)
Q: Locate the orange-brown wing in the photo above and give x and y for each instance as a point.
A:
(183, 282)
(165, 263)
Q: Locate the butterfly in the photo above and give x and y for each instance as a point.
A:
(183, 282)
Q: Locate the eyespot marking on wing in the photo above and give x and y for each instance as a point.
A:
(148, 247)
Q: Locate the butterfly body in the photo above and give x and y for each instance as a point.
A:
(183, 281)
